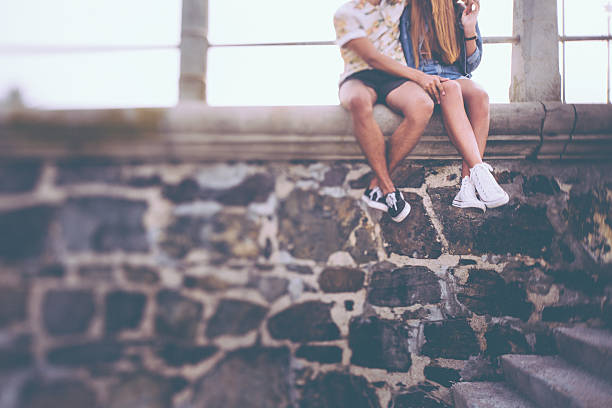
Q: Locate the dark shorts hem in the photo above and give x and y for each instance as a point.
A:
(381, 82)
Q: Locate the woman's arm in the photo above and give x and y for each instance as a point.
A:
(469, 19)
(432, 84)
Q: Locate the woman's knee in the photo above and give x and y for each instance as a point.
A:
(452, 88)
(478, 101)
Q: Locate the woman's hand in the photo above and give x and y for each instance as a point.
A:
(432, 84)
(470, 16)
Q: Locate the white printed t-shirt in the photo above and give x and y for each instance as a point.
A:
(379, 24)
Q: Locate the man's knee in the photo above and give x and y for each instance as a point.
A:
(359, 103)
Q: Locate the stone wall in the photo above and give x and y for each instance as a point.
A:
(270, 284)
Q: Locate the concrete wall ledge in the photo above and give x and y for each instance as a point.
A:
(195, 131)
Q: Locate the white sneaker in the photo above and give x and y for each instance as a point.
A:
(466, 197)
(489, 191)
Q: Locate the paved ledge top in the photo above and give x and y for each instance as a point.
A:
(195, 130)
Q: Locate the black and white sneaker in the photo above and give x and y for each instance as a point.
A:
(398, 208)
(373, 197)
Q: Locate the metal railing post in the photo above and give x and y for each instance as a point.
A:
(194, 47)
(535, 58)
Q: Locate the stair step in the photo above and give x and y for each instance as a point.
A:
(588, 348)
(487, 395)
(552, 382)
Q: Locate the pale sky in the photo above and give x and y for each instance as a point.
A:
(304, 75)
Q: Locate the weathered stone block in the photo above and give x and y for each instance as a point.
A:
(417, 399)
(270, 287)
(366, 248)
(104, 224)
(124, 310)
(486, 292)
(571, 312)
(177, 316)
(208, 283)
(512, 229)
(254, 189)
(65, 393)
(19, 176)
(89, 355)
(408, 176)
(313, 226)
(321, 354)
(17, 355)
(415, 236)
(503, 339)
(259, 378)
(88, 170)
(52, 271)
(378, 343)
(335, 176)
(13, 305)
(449, 339)
(339, 279)
(235, 317)
(177, 355)
(67, 311)
(540, 184)
(480, 368)
(308, 321)
(334, 389)
(141, 274)
(403, 286)
(442, 375)
(24, 232)
(100, 272)
(141, 390)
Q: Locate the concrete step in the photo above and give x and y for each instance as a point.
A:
(588, 348)
(550, 381)
(487, 395)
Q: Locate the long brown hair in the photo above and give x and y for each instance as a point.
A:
(444, 31)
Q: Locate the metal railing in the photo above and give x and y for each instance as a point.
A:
(563, 39)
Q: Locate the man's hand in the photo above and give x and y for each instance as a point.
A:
(470, 16)
(432, 84)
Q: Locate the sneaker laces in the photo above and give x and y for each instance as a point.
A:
(375, 194)
(391, 201)
(484, 180)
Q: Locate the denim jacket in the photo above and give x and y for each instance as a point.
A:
(465, 65)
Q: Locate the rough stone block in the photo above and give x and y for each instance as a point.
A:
(503, 339)
(442, 375)
(19, 176)
(335, 389)
(405, 286)
(124, 310)
(235, 317)
(13, 305)
(417, 399)
(177, 316)
(88, 170)
(308, 321)
(486, 292)
(449, 339)
(104, 224)
(512, 229)
(177, 355)
(260, 378)
(366, 248)
(141, 390)
(88, 355)
(378, 343)
(24, 232)
(270, 287)
(571, 312)
(415, 236)
(17, 355)
(141, 274)
(320, 354)
(67, 311)
(340, 279)
(313, 226)
(66, 393)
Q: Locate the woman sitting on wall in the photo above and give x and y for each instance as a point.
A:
(448, 45)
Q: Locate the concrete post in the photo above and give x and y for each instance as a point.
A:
(535, 58)
(194, 47)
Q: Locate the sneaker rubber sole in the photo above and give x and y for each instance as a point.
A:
(374, 204)
(400, 217)
(499, 202)
(462, 204)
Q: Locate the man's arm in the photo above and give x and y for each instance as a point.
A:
(432, 84)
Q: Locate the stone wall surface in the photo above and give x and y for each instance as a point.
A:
(270, 284)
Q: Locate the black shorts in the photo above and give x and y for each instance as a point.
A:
(382, 82)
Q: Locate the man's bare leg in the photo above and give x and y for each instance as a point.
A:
(476, 102)
(416, 106)
(359, 100)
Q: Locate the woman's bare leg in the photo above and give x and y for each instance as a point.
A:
(476, 102)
